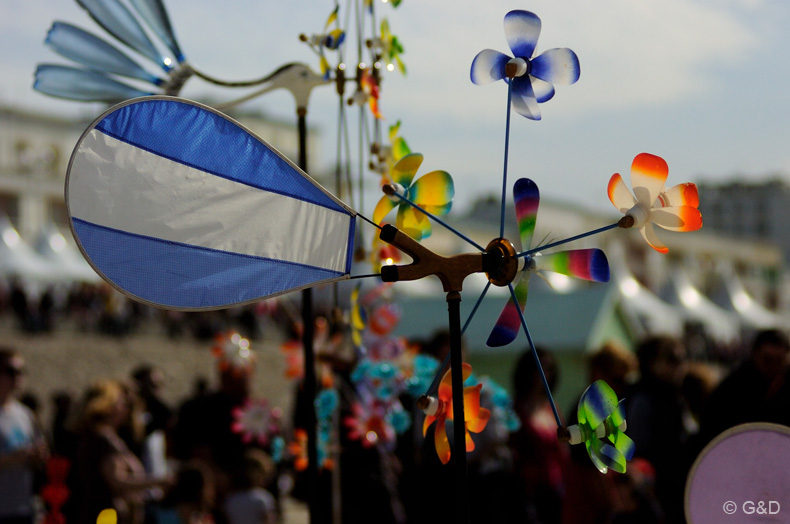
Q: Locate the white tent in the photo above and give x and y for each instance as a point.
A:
(739, 300)
(722, 326)
(70, 264)
(19, 260)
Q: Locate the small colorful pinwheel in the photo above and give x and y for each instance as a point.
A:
(368, 424)
(390, 48)
(601, 418)
(359, 317)
(674, 209)
(330, 39)
(531, 79)
(324, 343)
(256, 420)
(233, 353)
(439, 409)
(587, 264)
(433, 192)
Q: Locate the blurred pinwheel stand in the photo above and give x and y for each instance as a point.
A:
(211, 216)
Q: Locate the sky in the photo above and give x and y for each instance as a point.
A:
(702, 83)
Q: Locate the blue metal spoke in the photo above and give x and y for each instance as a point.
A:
(504, 173)
(441, 222)
(567, 240)
(537, 359)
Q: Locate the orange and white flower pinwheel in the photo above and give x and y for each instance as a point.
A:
(674, 209)
(440, 409)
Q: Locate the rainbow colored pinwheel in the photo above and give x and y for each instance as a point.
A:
(440, 410)
(587, 264)
(256, 420)
(601, 427)
(531, 79)
(433, 192)
(103, 61)
(674, 209)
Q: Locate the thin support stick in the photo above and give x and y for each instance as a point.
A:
(504, 174)
(567, 240)
(443, 366)
(369, 221)
(440, 222)
(459, 433)
(537, 359)
(370, 275)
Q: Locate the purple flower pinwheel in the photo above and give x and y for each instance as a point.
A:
(532, 79)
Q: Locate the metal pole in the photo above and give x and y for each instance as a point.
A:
(459, 428)
(310, 380)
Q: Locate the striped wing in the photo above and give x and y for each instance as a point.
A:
(179, 206)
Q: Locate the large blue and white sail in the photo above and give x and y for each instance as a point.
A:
(179, 206)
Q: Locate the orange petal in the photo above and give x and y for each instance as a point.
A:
(680, 195)
(442, 443)
(648, 174)
(649, 234)
(619, 194)
(479, 424)
(472, 402)
(680, 218)
(470, 444)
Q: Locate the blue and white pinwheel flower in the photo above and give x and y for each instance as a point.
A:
(532, 79)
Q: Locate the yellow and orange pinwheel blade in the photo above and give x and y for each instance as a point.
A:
(404, 170)
(441, 443)
(413, 222)
(384, 206)
(434, 189)
(680, 195)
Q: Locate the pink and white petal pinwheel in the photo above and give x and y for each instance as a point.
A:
(674, 208)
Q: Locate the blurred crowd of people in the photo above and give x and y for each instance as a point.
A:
(99, 308)
(153, 463)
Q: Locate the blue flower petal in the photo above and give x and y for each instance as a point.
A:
(522, 30)
(488, 66)
(523, 98)
(558, 66)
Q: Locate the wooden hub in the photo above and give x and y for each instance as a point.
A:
(503, 264)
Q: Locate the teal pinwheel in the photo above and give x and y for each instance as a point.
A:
(100, 63)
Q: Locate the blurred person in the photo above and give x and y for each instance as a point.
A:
(191, 499)
(539, 458)
(22, 446)
(250, 501)
(63, 439)
(655, 412)
(758, 390)
(158, 418)
(204, 424)
(106, 473)
(591, 497)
